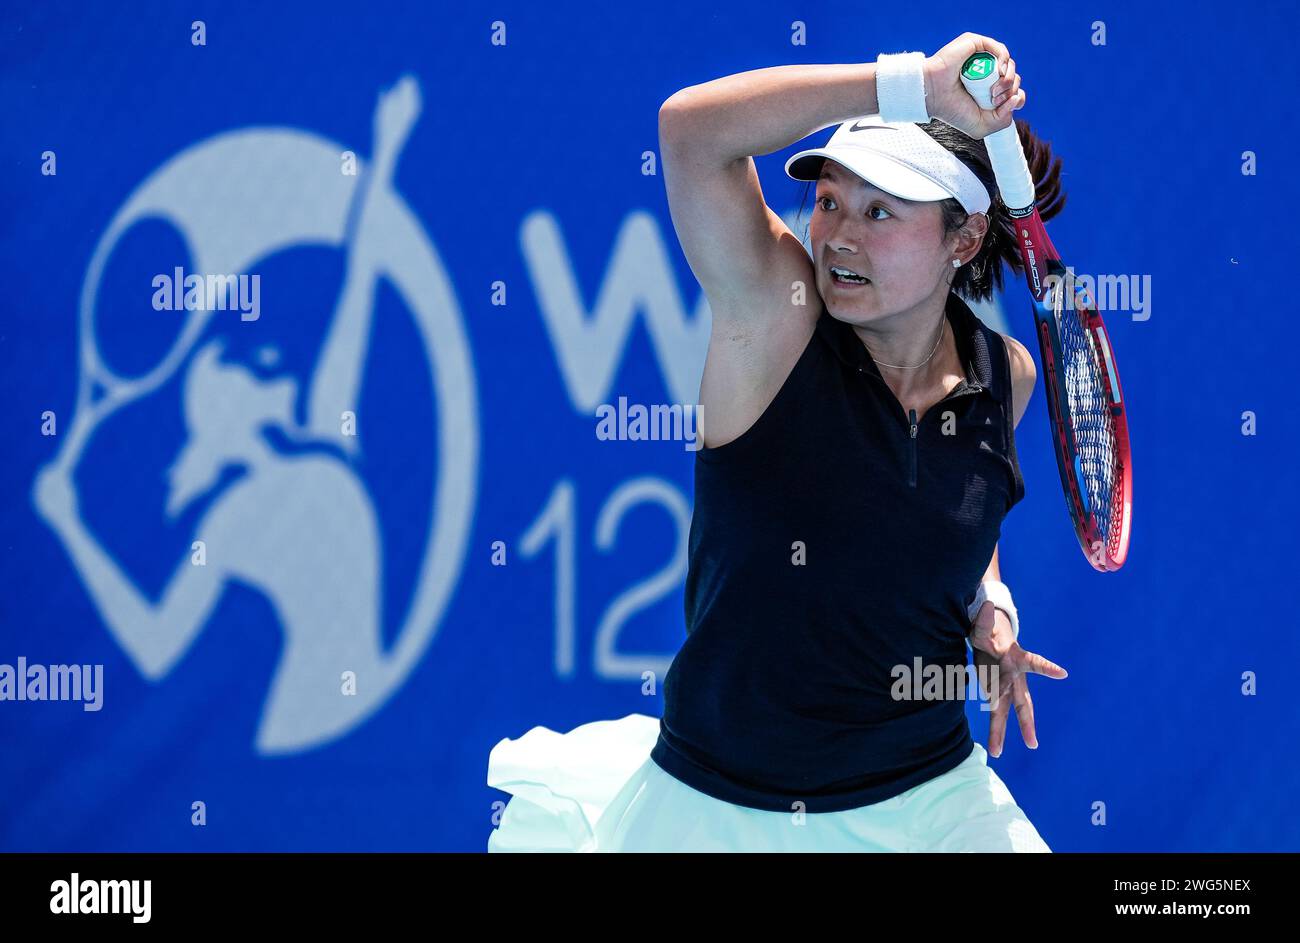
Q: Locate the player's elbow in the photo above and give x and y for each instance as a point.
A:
(684, 121)
(670, 112)
(673, 118)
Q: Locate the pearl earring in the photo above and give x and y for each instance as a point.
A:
(956, 263)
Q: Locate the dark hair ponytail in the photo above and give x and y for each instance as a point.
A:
(979, 278)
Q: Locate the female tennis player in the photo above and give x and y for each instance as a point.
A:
(859, 458)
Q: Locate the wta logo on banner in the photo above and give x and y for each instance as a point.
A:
(302, 528)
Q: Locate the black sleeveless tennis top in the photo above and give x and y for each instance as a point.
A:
(831, 542)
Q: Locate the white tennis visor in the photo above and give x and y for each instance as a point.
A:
(899, 158)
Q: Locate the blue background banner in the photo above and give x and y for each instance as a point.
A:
(222, 507)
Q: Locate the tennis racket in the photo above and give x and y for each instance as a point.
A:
(1085, 404)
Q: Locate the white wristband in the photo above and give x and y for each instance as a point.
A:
(1001, 598)
(900, 86)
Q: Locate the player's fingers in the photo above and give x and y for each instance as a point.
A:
(1025, 713)
(1012, 102)
(1008, 90)
(998, 725)
(1005, 83)
(1040, 665)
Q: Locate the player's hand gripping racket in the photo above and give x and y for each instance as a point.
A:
(1083, 392)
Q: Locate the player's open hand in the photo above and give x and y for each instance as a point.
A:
(947, 99)
(994, 645)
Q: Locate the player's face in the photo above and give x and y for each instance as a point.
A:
(898, 245)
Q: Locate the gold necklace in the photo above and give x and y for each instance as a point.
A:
(927, 359)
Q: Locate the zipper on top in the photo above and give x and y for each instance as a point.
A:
(911, 479)
(963, 388)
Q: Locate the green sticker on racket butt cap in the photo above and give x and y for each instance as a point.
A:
(979, 66)
(979, 74)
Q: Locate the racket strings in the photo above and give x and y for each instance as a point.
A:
(1092, 423)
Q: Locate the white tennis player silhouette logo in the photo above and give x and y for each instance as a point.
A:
(300, 528)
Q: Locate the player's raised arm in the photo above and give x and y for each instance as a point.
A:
(757, 276)
(739, 249)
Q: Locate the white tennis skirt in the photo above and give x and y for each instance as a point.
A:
(595, 789)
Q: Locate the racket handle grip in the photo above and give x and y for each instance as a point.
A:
(978, 74)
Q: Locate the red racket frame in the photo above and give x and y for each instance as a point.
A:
(1105, 551)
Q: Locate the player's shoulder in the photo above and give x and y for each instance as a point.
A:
(1022, 364)
(1023, 373)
